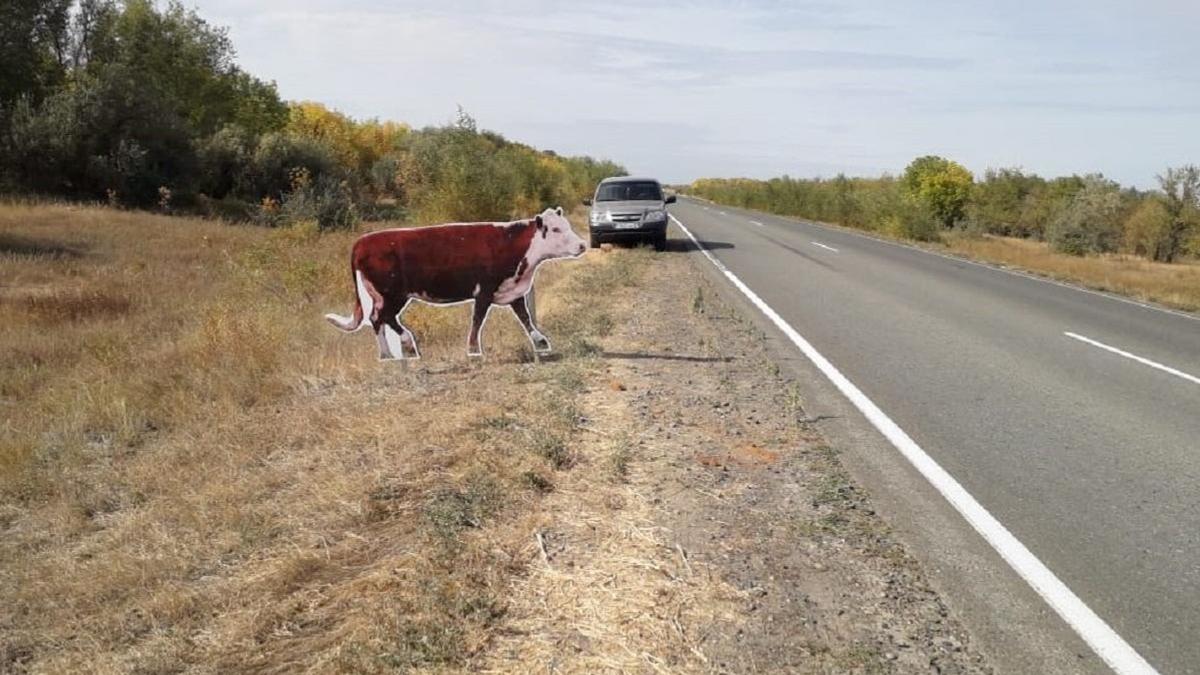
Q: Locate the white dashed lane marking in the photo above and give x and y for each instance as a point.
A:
(1133, 357)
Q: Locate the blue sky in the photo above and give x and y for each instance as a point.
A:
(682, 90)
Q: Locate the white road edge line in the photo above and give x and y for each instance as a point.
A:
(829, 248)
(1107, 644)
(1140, 359)
(755, 222)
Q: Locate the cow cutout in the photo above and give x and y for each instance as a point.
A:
(483, 263)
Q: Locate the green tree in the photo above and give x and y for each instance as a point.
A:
(940, 185)
(1181, 187)
(33, 39)
(1046, 202)
(1000, 203)
(1091, 222)
(278, 157)
(176, 56)
(142, 87)
(223, 160)
(102, 133)
(1148, 228)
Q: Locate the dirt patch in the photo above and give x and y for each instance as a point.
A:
(745, 456)
(730, 540)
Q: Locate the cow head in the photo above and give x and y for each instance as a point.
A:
(555, 238)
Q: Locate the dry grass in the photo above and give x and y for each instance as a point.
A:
(614, 593)
(1175, 285)
(197, 473)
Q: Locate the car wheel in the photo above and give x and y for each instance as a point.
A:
(593, 240)
(660, 242)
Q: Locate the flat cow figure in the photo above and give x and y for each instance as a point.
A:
(485, 263)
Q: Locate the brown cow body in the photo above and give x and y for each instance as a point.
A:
(484, 263)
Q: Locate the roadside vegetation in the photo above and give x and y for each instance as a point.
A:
(198, 474)
(1087, 229)
(134, 104)
(196, 471)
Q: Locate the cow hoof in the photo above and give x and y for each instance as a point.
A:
(542, 347)
(475, 355)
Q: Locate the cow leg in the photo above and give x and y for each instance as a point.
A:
(388, 334)
(407, 340)
(541, 345)
(478, 317)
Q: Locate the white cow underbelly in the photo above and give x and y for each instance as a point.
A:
(512, 288)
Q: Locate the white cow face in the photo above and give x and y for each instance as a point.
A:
(555, 238)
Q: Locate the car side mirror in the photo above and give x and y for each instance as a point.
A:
(587, 202)
(670, 200)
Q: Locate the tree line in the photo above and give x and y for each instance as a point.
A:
(145, 106)
(1078, 215)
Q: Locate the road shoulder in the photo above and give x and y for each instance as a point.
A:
(726, 536)
(1012, 625)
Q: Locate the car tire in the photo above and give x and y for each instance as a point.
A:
(660, 242)
(593, 240)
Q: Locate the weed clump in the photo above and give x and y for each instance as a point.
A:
(452, 510)
(551, 447)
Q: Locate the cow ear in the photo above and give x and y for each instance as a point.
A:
(558, 210)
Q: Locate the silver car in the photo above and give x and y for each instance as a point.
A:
(626, 208)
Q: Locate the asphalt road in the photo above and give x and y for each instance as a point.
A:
(1089, 457)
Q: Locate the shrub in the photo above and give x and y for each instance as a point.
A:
(223, 159)
(1148, 229)
(277, 156)
(102, 134)
(1090, 223)
(1000, 203)
(1181, 187)
(912, 221)
(227, 208)
(940, 185)
(386, 176)
(325, 200)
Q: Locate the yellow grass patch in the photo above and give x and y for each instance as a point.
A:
(1175, 285)
(196, 471)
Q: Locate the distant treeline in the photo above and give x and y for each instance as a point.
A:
(143, 106)
(1076, 214)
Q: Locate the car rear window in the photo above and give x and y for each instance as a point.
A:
(629, 191)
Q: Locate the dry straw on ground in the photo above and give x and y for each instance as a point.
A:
(1174, 285)
(197, 473)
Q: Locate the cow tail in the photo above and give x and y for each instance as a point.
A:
(352, 323)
